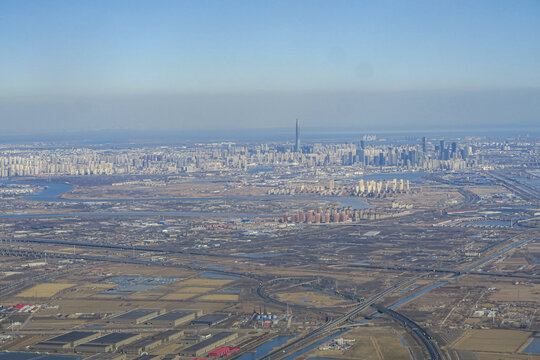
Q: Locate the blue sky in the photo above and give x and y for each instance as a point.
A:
(98, 51)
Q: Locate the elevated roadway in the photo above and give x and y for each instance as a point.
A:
(444, 270)
(330, 326)
(427, 341)
(523, 190)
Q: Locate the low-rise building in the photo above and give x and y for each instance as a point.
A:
(210, 344)
(106, 356)
(169, 335)
(66, 341)
(109, 342)
(172, 319)
(210, 319)
(142, 346)
(137, 316)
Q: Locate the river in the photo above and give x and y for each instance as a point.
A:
(53, 191)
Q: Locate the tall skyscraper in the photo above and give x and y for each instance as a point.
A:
(297, 144)
(424, 144)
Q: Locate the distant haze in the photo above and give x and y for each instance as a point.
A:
(357, 111)
(207, 65)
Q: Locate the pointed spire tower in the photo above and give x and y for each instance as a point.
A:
(297, 143)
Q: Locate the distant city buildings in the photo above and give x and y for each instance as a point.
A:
(364, 188)
(368, 153)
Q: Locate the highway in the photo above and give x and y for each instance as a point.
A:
(429, 344)
(444, 270)
(303, 341)
(523, 190)
(196, 253)
(297, 344)
(329, 326)
(469, 270)
(116, 247)
(125, 260)
(332, 325)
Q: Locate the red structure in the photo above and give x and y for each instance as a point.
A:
(219, 352)
(222, 352)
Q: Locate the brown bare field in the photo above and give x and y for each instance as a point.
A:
(139, 270)
(50, 324)
(105, 296)
(44, 290)
(487, 190)
(392, 348)
(195, 289)
(205, 282)
(145, 295)
(430, 195)
(150, 191)
(100, 286)
(492, 340)
(495, 356)
(371, 343)
(511, 293)
(219, 297)
(88, 290)
(71, 306)
(310, 298)
(178, 296)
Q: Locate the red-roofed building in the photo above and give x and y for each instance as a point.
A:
(222, 352)
(219, 352)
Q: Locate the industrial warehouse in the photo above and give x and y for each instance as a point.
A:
(173, 318)
(108, 343)
(124, 343)
(209, 344)
(136, 316)
(116, 345)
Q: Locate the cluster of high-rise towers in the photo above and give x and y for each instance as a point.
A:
(327, 216)
(364, 188)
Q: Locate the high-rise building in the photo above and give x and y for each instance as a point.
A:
(424, 144)
(297, 144)
(453, 154)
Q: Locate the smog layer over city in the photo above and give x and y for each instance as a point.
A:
(313, 180)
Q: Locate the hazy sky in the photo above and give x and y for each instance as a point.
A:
(78, 65)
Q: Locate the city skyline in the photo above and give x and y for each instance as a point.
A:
(269, 180)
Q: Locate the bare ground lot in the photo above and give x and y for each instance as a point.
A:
(371, 343)
(501, 341)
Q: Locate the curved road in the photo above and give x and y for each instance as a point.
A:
(427, 341)
(329, 326)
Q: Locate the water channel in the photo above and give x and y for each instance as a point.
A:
(53, 191)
